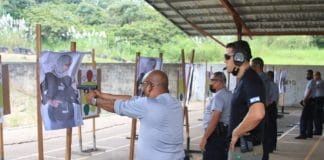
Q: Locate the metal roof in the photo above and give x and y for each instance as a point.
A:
(244, 17)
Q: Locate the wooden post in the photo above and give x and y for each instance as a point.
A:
(1, 128)
(1, 142)
(39, 118)
(185, 108)
(69, 130)
(134, 121)
(93, 62)
(206, 84)
(94, 119)
(80, 138)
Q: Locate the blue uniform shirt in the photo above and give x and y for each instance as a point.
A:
(221, 102)
(161, 129)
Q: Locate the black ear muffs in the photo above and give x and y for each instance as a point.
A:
(238, 58)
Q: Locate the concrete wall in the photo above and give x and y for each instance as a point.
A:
(118, 78)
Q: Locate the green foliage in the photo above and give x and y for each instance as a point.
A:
(117, 29)
(318, 41)
(125, 12)
(15, 7)
(89, 14)
(48, 14)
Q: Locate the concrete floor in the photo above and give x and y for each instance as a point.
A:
(112, 144)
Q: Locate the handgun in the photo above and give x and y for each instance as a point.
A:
(245, 145)
(86, 88)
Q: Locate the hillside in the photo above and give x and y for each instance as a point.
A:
(118, 29)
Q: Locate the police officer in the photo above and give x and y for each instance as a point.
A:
(216, 120)
(273, 111)
(319, 96)
(306, 118)
(248, 104)
(257, 66)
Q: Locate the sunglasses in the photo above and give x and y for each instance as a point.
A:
(145, 83)
(215, 80)
(227, 57)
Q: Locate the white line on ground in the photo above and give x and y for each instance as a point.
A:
(284, 134)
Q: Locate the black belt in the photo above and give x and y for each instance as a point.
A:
(221, 129)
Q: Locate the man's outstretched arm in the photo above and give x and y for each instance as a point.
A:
(105, 101)
(111, 96)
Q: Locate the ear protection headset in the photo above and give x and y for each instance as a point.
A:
(239, 57)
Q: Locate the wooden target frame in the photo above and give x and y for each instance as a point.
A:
(6, 102)
(185, 90)
(99, 76)
(39, 118)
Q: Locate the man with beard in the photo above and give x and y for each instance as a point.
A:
(216, 120)
(306, 118)
(247, 105)
(161, 116)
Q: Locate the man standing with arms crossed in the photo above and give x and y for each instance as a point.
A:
(248, 103)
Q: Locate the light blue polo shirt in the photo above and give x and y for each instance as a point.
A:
(311, 84)
(161, 130)
(221, 102)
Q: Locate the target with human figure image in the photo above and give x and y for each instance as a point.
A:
(144, 65)
(60, 102)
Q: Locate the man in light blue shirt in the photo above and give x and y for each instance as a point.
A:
(161, 117)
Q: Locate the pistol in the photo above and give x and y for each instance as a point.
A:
(86, 88)
(245, 145)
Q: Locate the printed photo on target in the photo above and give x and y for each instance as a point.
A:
(60, 102)
(144, 65)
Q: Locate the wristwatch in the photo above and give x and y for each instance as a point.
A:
(94, 101)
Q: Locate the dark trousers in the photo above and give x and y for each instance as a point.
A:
(270, 130)
(306, 119)
(216, 147)
(318, 113)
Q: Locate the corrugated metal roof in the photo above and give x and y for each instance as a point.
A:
(256, 17)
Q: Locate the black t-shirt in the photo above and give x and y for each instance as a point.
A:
(249, 90)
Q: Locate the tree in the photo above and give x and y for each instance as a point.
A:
(15, 8)
(91, 14)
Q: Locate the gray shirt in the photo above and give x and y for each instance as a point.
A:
(274, 92)
(221, 102)
(266, 82)
(319, 88)
(161, 130)
(310, 86)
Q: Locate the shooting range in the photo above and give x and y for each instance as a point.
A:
(109, 46)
